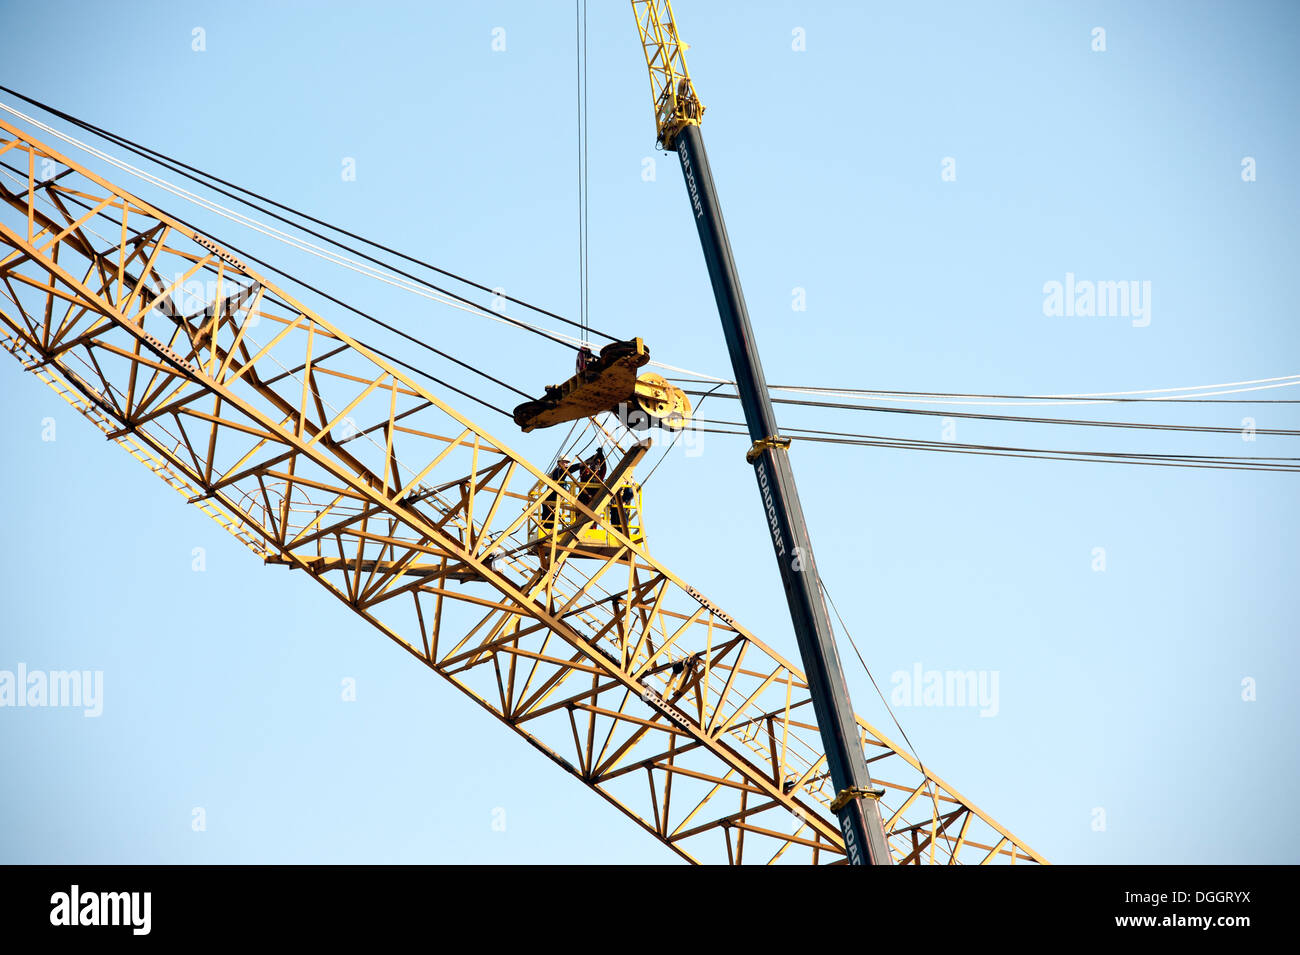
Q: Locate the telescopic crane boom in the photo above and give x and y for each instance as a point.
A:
(678, 112)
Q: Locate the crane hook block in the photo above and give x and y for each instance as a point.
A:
(609, 383)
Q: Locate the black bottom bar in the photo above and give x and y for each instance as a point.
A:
(1008, 905)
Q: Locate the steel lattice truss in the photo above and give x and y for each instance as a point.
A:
(318, 454)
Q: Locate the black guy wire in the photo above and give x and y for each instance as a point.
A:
(278, 271)
(1081, 422)
(888, 709)
(1098, 457)
(192, 173)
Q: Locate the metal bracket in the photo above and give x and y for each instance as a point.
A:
(854, 792)
(762, 444)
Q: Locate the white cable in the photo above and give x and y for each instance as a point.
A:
(1227, 384)
(1099, 399)
(866, 394)
(280, 236)
(844, 392)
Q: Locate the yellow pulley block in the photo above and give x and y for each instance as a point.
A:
(609, 382)
(665, 404)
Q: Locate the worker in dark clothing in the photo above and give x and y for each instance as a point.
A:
(620, 509)
(591, 477)
(560, 475)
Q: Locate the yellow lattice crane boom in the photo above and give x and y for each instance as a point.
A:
(322, 456)
(671, 90)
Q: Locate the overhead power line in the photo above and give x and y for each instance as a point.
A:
(1192, 395)
(1226, 462)
(1071, 422)
(1187, 394)
(214, 182)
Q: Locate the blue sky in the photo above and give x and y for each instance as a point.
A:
(1120, 690)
